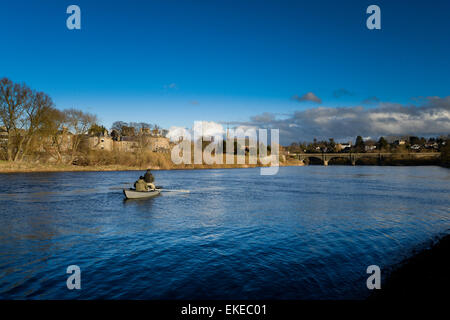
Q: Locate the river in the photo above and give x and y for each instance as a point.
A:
(305, 233)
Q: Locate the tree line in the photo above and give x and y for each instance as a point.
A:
(380, 145)
(31, 121)
(131, 129)
(31, 125)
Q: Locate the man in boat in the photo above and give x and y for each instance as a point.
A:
(141, 185)
(148, 178)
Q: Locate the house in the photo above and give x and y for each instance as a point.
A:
(129, 143)
(432, 145)
(343, 146)
(145, 131)
(101, 143)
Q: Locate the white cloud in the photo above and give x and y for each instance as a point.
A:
(175, 133)
(431, 118)
(208, 129)
(200, 128)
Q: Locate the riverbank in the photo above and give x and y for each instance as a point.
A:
(96, 160)
(424, 276)
(24, 167)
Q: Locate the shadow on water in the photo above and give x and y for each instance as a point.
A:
(140, 204)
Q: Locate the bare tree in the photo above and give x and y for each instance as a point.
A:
(13, 100)
(55, 133)
(139, 126)
(128, 131)
(21, 113)
(35, 115)
(131, 128)
(78, 123)
(118, 125)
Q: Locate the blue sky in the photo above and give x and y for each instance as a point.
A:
(173, 62)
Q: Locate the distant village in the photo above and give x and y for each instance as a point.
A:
(124, 137)
(383, 144)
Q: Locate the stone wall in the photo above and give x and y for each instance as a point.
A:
(155, 144)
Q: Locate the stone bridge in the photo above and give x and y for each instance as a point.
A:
(326, 157)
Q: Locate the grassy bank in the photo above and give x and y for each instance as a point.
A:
(11, 167)
(16, 167)
(424, 276)
(121, 161)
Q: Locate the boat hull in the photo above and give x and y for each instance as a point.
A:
(133, 194)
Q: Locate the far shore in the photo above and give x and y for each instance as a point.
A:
(24, 167)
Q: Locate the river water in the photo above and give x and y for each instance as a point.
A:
(305, 233)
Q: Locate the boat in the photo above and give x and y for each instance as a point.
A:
(133, 194)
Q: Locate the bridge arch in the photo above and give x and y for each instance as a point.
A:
(315, 157)
(324, 158)
(379, 157)
(340, 159)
